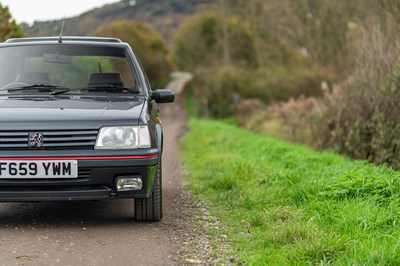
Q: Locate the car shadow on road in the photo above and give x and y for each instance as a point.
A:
(69, 214)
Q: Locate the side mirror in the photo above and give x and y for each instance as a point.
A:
(163, 96)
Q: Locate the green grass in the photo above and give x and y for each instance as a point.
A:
(281, 203)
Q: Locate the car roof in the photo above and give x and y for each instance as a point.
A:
(66, 40)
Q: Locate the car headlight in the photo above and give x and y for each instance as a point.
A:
(123, 137)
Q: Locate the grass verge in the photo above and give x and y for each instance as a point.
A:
(281, 203)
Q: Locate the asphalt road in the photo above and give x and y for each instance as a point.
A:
(101, 232)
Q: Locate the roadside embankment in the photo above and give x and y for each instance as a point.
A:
(279, 203)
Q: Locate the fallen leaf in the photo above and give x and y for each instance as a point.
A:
(193, 261)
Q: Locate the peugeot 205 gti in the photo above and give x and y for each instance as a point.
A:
(79, 121)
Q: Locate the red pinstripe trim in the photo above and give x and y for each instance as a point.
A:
(84, 158)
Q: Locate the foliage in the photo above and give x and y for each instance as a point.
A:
(325, 29)
(199, 43)
(223, 86)
(352, 43)
(259, 63)
(322, 30)
(8, 26)
(148, 45)
(367, 120)
(283, 204)
(360, 118)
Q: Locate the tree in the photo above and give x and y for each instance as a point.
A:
(147, 44)
(203, 42)
(8, 26)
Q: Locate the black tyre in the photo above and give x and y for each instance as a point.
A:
(150, 209)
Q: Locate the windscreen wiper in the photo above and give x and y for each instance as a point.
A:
(66, 90)
(98, 88)
(107, 88)
(35, 86)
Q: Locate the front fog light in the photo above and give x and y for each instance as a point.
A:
(126, 183)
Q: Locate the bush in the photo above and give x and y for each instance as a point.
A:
(361, 124)
(367, 125)
(199, 43)
(246, 110)
(221, 88)
(366, 117)
(359, 118)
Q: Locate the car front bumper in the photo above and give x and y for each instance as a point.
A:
(97, 173)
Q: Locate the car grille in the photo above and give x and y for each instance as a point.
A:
(52, 140)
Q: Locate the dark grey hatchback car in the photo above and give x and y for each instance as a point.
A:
(79, 121)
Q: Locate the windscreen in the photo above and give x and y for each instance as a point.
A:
(79, 68)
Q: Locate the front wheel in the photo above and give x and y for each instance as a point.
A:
(150, 209)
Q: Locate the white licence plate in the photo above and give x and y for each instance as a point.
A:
(39, 169)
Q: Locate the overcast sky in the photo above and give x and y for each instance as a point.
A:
(31, 10)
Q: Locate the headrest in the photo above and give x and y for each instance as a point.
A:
(33, 78)
(105, 79)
